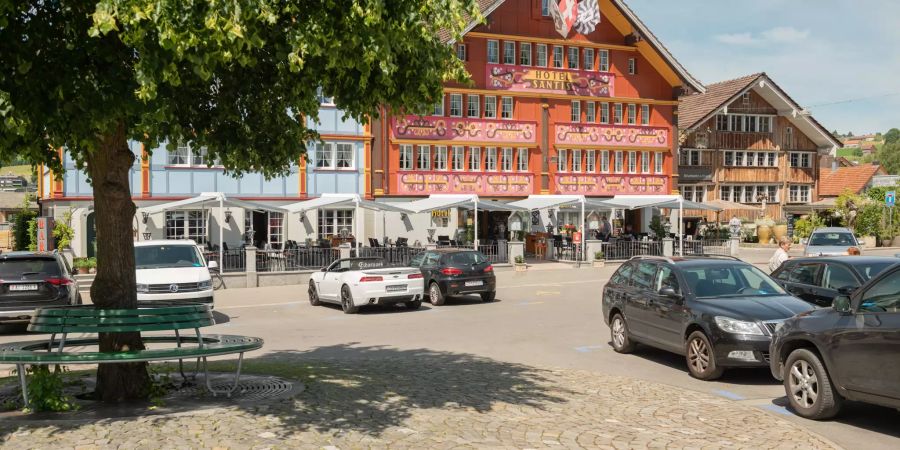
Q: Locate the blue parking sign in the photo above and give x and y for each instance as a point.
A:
(889, 198)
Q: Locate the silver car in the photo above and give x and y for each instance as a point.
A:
(831, 241)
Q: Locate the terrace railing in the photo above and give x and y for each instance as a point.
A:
(622, 250)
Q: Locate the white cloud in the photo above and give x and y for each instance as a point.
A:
(736, 38)
(780, 35)
(785, 34)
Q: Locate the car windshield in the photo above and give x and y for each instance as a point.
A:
(836, 239)
(731, 281)
(23, 267)
(166, 256)
(466, 259)
(870, 270)
(345, 265)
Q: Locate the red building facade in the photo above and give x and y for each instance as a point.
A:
(590, 114)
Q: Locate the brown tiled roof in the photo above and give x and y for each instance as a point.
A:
(854, 178)
(483, 5)
(693, 108)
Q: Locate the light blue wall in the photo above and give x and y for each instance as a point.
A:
(75, 182)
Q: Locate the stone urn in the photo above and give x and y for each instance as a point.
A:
(765, 233)
(869, 241)
(520, 267)
(599, 263)
(780, 231)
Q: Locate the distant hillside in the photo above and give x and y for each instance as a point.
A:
(23, 170)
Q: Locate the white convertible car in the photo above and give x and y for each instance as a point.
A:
(356, 282)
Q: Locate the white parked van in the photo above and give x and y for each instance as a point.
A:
(172, 270)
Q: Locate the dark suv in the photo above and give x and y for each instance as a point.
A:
(717, 312)
(450, 272)
(31, 280)
(819, 280)
(850, 351)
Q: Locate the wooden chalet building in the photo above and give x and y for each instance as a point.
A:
(746, 141)
(589, 114)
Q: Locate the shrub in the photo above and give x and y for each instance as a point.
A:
(520, 259)
(32, 234)
(63, 231)
(598, 256)
(23, 239)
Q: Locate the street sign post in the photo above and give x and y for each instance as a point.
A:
(889, 198)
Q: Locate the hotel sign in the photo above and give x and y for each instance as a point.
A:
(462, 130)
(550, 81)
(494, 184)
(612, 135)
(596, 184)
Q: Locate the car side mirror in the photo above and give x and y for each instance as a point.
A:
(212, 265)
(324, 269)
(841, 304)
(670, 293)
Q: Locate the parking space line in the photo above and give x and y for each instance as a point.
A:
(729, 395)
(588, 348)
(777, 409)
(259, 305)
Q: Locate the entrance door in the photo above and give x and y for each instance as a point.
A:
(261, 228)
(91, 236)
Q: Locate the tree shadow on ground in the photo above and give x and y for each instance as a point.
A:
(364, 389)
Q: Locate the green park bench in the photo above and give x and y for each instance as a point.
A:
(60, 322)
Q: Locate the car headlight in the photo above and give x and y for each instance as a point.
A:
(143, 288)
(204, 285)
(733, 326)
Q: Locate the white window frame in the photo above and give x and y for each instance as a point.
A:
(590, 112)
(575, 112)
(632, 66)
(181, 156)
(493, 51)
(461, 52)
(490, 107)
(576, 160)
(331, 155)
(604, 112)
(645, 114)
(801, 160)
(645, 162)
(562, 160)
(507, 113)
(722, 122)
(439, 107)
(406, 157)
(525, 53)
(541, 55)
(573, 63)
(588, 61)
(745, 98)
(275, 224)
(456, 99)
(509, 56)
(658, 159)
(522, 159)
(330, 222)
(590, 161)
(440, 158)
(619, 162)
(603, 60)
(617, 114)
(506, 159)
(604, 161)
(475, 159)
(323, 99)
(458, 158)
(632, 114)
(490, 159)
(632, 162)
(557, 52)
(545, 8)
(187, 224)
(423, 163)
(473, 109)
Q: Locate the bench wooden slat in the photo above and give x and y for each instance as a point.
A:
(33, 352)
(143, 309)
(120, 320)
(99, 328)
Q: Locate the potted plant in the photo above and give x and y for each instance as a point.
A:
(599, 261)
(520, 264)
(81, 266)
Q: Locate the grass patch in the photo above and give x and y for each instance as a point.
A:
(24, 171)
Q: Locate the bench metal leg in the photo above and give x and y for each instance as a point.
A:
(226, 391)
(184, 377)
(21, 369)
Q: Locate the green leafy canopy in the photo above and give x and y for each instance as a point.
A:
(237, 76)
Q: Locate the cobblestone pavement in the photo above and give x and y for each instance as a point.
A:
(426, 399)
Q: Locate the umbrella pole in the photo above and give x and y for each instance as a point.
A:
(221, 232)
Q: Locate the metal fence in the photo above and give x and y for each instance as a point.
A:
(568, 252)
(493, 253)
(311, 258)
(703, 247)
(392, 255)
(622, 250)
(235, 259)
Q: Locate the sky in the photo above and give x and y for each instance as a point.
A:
(820, 52)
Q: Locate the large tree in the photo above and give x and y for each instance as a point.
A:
(236, 76)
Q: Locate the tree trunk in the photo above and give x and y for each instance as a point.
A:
(114, 286)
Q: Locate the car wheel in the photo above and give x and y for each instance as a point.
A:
(313, 294)
(414, 305)
(701, 358)
(488, 297)
(618, 330)
(808, 387)
(347, 301)
(435, 296)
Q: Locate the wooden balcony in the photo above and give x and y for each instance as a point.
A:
(750, 174)
(695, 173)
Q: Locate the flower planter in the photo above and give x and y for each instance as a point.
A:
(869, 241)
(780, 231)
(886, 242)
(599, 263)
(764, 232)
(521, 267)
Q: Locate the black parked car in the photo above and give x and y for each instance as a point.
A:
(450, 272)
(818, 280)
(718, 312)
(31, 280)
(850, 351)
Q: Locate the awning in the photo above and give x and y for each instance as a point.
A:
(643, 201)
(336, 200)
(445, 201)
(534, 202)
(208, 199)
(686, 204)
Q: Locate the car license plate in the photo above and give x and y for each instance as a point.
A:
(474, 283)
(23, 287)
(396, 288)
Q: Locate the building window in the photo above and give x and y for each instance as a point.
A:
(334, 222)
(186, 225)
(725, 193)
(509, 52)
(545, 8)
(729, 159)
(788, 137)
(693, 193)
(440, 157)
(690, 157)
(721, 122)
(772, 159)
(576, 111)
(604, 113)
(750, 124)
(473, 106)
(457, 158)
(576, 160)
(632, 66)
(542, 55)
(604, 161)
(490, 107)
(645, 114)
(475, 159)
(406, 157)
(590, 161)
(522, 160)
(801, 160)
(573, 57)
(562, 160)
(749, 193)
(180, 156)
(323, 99)
(525, 53)
(456, 109)
(330, 155)
(590, 112)
(658, 159)
(745, 98)
(738, 158)
(557, 56)
(461, 51)
(618, 163)
(588, 58)
(506, 163)
(645, 162)
(618, 114)
(490, 159)
(632, 162)
(506, 108)
(276, 229)
(765, 124)
(423, 161)
(439, 107)
(603, 64)
(493, 52)
(632, 114)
